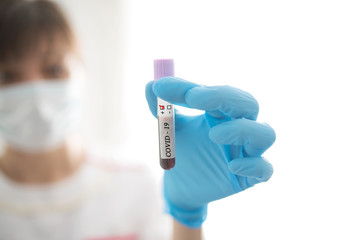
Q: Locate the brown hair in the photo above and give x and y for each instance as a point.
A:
(25, 25)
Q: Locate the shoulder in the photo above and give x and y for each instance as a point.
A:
(121, 171)
(128, 184)
(114, 164)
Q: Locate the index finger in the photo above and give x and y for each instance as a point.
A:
(230, 101)
(173, 90)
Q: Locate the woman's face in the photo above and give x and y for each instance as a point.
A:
(37, 118)
(50, 65)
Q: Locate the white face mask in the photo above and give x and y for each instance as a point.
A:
(38, 116)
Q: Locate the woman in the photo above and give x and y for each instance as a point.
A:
(52, 188)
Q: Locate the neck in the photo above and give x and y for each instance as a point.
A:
(41, 168)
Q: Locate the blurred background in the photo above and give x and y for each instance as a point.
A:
(300, 59)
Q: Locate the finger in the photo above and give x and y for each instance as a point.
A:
(254, 136)
(253, 170)
(151, 98)
(173, 90)
(230, 101)
(152, 102)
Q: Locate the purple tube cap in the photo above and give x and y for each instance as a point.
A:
(163, 68)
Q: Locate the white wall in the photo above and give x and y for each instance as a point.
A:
(99, 26)
(300, 59)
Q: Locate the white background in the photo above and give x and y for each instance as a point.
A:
(300, 59)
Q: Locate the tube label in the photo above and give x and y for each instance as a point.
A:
(166, 120)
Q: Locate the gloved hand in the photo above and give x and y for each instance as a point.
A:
(217, 153)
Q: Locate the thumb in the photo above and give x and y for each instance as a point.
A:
(151, 98)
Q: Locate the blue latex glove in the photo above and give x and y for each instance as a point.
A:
(217, 153)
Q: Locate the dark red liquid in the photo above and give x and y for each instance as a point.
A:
(168, 163)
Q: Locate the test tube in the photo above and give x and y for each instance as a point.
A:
(165, 114)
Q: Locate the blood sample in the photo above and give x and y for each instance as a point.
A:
(165, 114)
